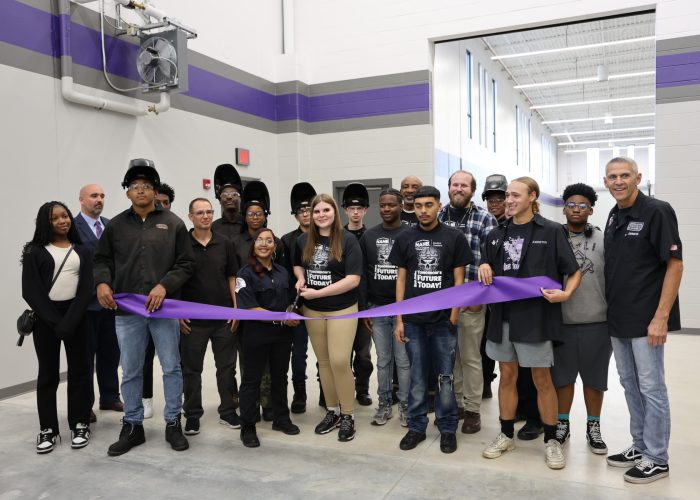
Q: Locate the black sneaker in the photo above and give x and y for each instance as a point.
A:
(627, 458)
(329, 422)
(299, 399)
(46, 440)
(268, 414)
(595, 441)
(174, 436)
(131, 435)
(563, 433)
(232, 420)
(249, 437)
(646, 471)
(80, 436)
(448, 442)
(347, 428)
(364, 399)
(286, 426)
(411, 440)
(192, 426)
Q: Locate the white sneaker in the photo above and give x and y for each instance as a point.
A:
(553, 455)
(498, 446)
(148, 408)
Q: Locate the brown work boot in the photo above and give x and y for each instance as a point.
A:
(472, 422)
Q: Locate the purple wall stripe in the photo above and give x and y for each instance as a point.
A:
(36, 30)
(678, 70)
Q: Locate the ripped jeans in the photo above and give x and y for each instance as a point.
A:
(436, 343)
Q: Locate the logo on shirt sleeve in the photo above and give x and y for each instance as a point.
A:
(240, 284)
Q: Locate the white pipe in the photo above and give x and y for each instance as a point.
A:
(100, 103)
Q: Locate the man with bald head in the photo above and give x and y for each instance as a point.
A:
(409, 186)
(103, 338)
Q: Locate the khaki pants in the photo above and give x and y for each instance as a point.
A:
(468, 376)
(332, 341)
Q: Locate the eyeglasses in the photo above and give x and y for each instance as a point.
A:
(581, 206)
(264, 241)
(255, 215)
(202, 213)
(230, 194)
(140, 187)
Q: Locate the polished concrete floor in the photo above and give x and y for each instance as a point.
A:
(372, 466)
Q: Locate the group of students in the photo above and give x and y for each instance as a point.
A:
(325, 270)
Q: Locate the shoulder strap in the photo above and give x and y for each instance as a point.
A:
(55, 276)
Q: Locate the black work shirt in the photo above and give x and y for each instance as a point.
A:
(378, 284)
(272, 291)
(430, 258)
(134, 255)
(639, 241)
(545, 252)
(215, 264)
(323, 270)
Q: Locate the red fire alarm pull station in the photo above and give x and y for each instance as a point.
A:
(206, 183)
(242, 157)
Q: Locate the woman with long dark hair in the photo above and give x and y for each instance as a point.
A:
(328, 266)
(263, 285)
(57, 284)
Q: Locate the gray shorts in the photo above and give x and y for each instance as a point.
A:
(527, 354)
(586, 351)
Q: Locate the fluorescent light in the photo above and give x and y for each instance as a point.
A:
(572, 151)
(554, 83)
(596, 118)
(596, 101)
(606, 131)
(606, 141)
(573, 48)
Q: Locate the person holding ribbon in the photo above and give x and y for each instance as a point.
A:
(520, 333)
(263, 285)
(57, 285)
(328, 267)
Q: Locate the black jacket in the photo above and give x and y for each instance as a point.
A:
(546, 252)
(133, 255)
(37, 273)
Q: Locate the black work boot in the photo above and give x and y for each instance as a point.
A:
(131, 435)
(174, 436)
(299, 399)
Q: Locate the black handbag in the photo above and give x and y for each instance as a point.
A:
(26, 320)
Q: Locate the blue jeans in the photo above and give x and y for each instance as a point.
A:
(133, 333)
(300, 345)
(641, 370)
(390, 350)
(436, 343)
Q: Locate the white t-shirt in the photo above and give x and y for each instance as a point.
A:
(66, 286)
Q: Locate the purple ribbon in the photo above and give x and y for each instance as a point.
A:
(504, 289)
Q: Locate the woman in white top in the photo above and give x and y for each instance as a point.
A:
(57, 284)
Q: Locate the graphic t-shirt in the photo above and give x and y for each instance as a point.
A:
(379, 279)
(323, 270)
(429, 258)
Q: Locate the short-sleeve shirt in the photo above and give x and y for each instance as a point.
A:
(430, 258)
(271, 291)
(323, 270)
(639, 242)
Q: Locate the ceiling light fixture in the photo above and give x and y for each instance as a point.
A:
(607, 141)
(602, 131)
(587, 79)
(596, 118)
(596, 101)
(574, 48)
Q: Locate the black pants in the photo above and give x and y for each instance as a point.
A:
(362, 358)
(193, 348)
(48, 353)
(527, 396)
(262, 343)
(103, 355)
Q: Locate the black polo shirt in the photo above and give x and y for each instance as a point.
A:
(639, 241)
(214, 264)
(272, 291)
(545, 251)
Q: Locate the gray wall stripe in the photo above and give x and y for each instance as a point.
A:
(678, 94)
